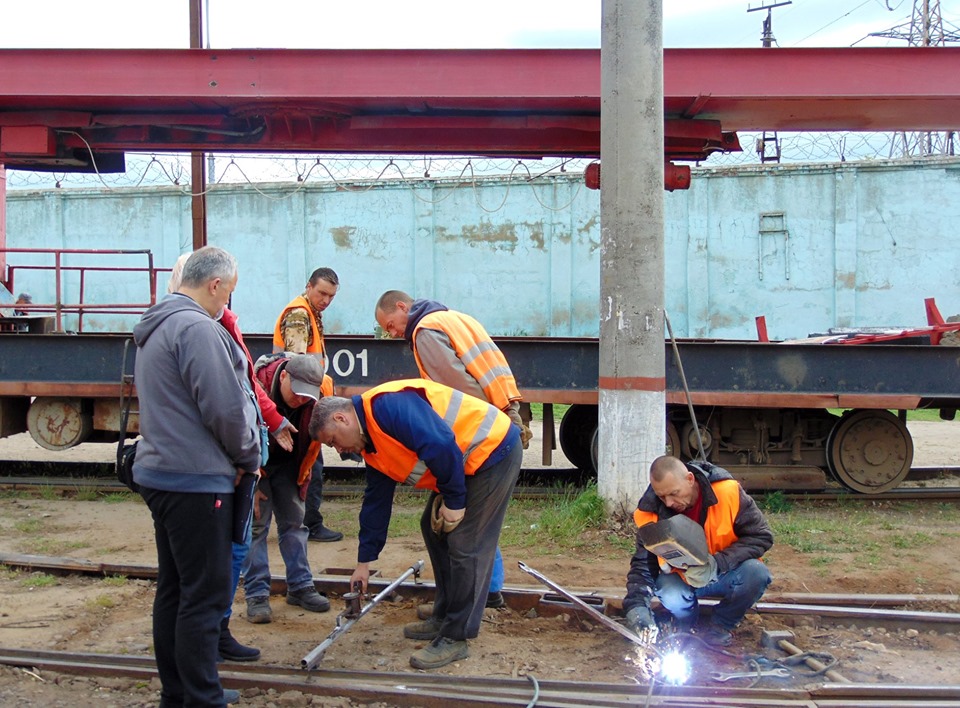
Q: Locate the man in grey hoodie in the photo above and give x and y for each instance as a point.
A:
(199, 425)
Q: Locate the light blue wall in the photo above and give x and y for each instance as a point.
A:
(856, 245)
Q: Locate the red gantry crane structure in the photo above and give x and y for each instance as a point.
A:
(81, 109)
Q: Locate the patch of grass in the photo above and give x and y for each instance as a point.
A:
(559, 410)
(49, 493)
(774, 503)
(114, 581)
(117, 497)
(46, 546)
(101, 602)
(913, 540)
(30, 525)
(39, 580)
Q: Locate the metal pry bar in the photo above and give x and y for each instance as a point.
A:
(593, 612)
(311, 660)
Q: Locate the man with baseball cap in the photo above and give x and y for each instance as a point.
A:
(293, 383)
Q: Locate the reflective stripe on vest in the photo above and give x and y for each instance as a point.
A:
(718, 526)
(479, 429)
(480, 356)
(315, 348)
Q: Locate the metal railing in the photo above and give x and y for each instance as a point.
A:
(64, 305)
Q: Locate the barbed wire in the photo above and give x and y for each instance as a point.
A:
(364, 172)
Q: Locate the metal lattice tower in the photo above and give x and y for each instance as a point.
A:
(925, 29)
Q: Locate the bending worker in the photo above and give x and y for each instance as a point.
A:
(737, 535)
(467, 453)
(299, 330)
(453, 348)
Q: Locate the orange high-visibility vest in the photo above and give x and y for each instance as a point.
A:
(482, 359)
(315, 347)
(478, 427)
(718, 526)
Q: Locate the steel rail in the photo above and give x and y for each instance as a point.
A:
(873, 608)
(109, 484)
(419, 689)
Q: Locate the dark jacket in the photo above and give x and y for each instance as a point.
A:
(267, 370)
(754, 536)
(418, 310)
(197, 416)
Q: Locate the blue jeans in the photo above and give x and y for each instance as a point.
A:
(312, 518)
(496, 578)
(239, 553)
(738, 589)
(283, 501)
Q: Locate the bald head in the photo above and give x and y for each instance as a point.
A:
(674, 483)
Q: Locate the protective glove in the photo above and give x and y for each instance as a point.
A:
(526, 435)
(699, 576)
(640, 620)
(440, 525)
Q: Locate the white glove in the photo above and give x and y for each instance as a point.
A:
(699, 576)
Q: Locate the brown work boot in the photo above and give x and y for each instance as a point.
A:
(440, 652)
(427, 629)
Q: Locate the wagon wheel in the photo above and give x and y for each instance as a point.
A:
(673, 440)
(576, 435)
(870, 451)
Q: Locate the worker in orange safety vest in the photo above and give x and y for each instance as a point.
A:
(467, 453)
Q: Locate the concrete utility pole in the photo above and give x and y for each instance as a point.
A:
(632, 382)
(198, 184)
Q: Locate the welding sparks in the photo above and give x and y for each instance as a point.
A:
(674, 668)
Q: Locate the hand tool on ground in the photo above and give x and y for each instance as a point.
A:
(354, 612)
(593, 612)
(783, 640)
(720, 676)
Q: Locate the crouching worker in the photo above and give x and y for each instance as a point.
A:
(737, 535)
(468, 454)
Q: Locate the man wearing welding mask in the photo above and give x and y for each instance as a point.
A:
(725, 562)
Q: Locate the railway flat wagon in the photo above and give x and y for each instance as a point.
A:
(781, 415)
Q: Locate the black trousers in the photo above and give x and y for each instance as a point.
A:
(193, 533)
(463, 559)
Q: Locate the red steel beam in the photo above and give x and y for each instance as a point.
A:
(523, 102)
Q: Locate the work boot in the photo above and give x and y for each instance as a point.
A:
(427, 629)
(716, 636)
(495, 600)
(309, 599)
(258, 610)
(324, 535)
(232, 650)
(231, 696)
(440, 652)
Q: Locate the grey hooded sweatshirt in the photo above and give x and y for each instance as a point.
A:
(197, 418)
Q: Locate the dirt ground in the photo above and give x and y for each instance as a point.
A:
(113, 616)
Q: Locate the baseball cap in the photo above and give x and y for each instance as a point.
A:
(306, 375)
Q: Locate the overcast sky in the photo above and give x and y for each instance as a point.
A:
(445, 24)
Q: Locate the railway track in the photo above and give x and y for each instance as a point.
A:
(441, 691)
(533, 484)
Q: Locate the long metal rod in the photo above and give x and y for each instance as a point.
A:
(686, 389)
(311, 660)
(593, 612)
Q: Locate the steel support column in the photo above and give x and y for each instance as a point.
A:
(631, 382)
